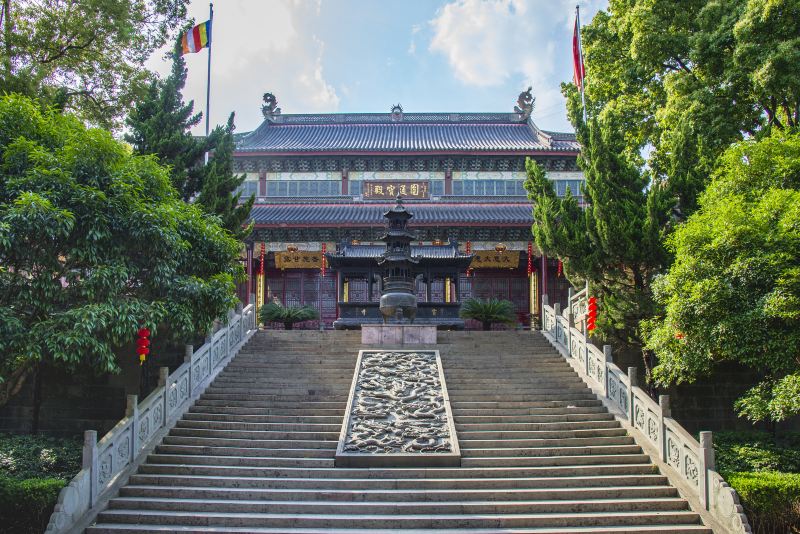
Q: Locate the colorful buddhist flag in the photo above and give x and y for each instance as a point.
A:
(197, 38)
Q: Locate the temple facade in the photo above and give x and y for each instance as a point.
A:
(323, 182)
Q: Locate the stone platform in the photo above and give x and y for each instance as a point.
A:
(392, 335)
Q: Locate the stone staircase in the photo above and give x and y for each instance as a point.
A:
(540, 453)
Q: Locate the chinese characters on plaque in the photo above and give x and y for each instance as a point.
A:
(490, 259)
(390, 189)
(298, 260)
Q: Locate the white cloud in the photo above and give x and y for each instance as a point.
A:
(258, 48)
(488, 43)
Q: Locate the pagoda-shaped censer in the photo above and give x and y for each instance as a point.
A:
(398, 300)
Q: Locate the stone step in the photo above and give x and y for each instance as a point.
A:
(536, 443)
(515, 435)
(283, 394)
(403, 521)
(521, 461)
(249, 443)
(268, 435)
(590, 407)
(668, 504)
(506, 404)
(240, 461)
(279, 402)
(245, 451)
(487, 396)
(568, 416)
(282, 410)
(506, 426)
(110, 528)
(397, 473)
(231, 425)
(378, 495)
(415, 484)
(241, 418)
(537, 452)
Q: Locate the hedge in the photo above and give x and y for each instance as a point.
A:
(33, 469)
(770, 499)
(765, 472)
(26, 505)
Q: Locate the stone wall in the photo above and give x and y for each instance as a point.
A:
(75, 401)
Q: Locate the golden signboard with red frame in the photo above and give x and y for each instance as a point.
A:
(388, 189)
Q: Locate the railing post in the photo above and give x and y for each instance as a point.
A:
(707, 463)
(608, 358)
(90, 462)
(163, 379)
(633, 378)
(187, 357)
(545, 302)
(663, 403)
(568, 333)
(132, 411)
(163, 376)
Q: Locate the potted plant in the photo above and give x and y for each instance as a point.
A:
(488, 312)
(274, 312)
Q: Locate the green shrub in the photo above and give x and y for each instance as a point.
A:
(24, 457)
(26, 505)
(274, 312)
(756, 451)
(489, 312)
(770, 499)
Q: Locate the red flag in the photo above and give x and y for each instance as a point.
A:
(577, 57)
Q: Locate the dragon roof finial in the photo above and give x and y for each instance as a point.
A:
(525, 103)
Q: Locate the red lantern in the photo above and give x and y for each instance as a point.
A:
(560, 270)
(322, 268)
(591, 314)
(263, 251)
(142, 344)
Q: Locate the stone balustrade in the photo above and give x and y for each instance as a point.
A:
(113, 457)
(686, 459)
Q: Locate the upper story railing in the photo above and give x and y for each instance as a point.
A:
(686, 459)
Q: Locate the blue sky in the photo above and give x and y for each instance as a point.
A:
(321, 56)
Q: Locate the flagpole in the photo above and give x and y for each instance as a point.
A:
(580, 58)
(208, 78)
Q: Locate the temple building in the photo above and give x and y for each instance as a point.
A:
(323, 182)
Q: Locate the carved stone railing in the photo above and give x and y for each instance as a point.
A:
(688, 460)
(106, 461)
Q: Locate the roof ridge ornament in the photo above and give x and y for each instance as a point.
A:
(270, 109)
(397, 112)
(525, 103)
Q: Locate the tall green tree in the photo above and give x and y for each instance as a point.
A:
(218, 194)
(733, 292)
(94, 243)
(87, 56)
(160, 124)
(670, 86)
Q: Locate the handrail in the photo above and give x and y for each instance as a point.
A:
(107, 460)
(686, 458)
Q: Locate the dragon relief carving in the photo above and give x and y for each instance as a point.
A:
(398, 406)
(525, 103)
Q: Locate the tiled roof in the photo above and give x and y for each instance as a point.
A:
(424, 251)
(432, 132)
(371, 214)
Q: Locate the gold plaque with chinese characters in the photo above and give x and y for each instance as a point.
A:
(387, 189)
(298, 260)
